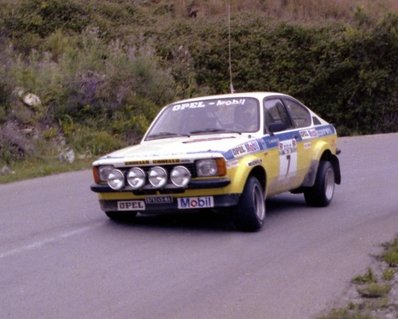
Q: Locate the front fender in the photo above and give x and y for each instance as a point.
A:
(244, 169)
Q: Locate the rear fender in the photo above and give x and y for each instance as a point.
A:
(322, 153)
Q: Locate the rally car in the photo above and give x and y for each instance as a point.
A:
(228, 152)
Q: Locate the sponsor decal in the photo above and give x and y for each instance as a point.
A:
(272, 142)
(229, 102)
(325, 131)
(305, 134)
(195, 202)
(208, 103)
(287, 147)
(239, 151)
(307, 145)
(159, 200)
(191, 105)
(255, 163)
(136, 163)
(313, 132)
(252, 147)
(131, 205)
(166, 161)
(246, 148)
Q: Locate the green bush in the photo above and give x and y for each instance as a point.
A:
(390, 256)
(388, 274)
(348, 74)
(367, 278)
(374, 290)
(92, 142)
(42, 17)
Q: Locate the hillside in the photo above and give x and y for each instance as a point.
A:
(98, 71)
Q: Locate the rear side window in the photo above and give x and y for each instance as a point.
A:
(299, 114)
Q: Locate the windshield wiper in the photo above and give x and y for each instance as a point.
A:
(208, 130)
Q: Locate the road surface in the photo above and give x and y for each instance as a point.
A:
(60, 257)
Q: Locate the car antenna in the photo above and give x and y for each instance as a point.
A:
(231, 86)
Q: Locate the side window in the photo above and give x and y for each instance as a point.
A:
(300, 115)
(276, 117)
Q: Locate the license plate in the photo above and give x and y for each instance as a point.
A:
(159, 200)
(131, 205)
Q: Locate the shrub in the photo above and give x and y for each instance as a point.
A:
(132, 120)
(388, 274)
(14, 146)
(374, 290)
(367, 278)
(43, 17)
(346, 314)
(390, 256)
(93, 142)
(345, 73)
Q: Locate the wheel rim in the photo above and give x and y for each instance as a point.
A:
(259, 203)
(329, 184)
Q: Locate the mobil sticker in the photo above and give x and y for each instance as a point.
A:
(195, 202)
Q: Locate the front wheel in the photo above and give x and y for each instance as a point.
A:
(321, 194)
(250, 211)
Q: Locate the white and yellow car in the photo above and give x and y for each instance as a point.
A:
(226, 152)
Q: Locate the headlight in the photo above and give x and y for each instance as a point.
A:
(104, 171)
(136, 177)
(157, 176)
(116, 179)
(211, 167)
(180, 176)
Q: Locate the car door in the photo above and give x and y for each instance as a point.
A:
(303, 131)
(286, 137)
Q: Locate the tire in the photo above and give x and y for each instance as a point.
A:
(121, 216)
(321, 194)
(250, 211)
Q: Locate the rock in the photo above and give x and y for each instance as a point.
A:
(31, 100)
(67, 155)
(5, 170)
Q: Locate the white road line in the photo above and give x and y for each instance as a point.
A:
(41, 243)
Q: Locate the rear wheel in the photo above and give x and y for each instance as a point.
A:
(121, 216)
(321, 194)
(250, 211)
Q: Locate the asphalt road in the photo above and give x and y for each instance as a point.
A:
(60, 257)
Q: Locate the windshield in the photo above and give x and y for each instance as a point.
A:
(229, 115)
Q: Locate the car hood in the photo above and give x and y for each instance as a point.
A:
(180, 148)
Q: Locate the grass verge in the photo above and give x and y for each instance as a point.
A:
(374, 299)
(36, 168)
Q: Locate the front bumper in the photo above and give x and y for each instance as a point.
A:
(168, 204)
